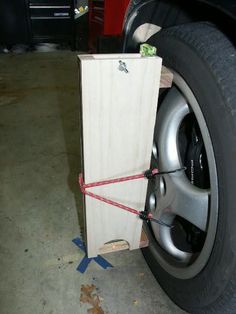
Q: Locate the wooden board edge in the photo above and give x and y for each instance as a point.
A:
(144, 242)
(166, 78)
(123, 245)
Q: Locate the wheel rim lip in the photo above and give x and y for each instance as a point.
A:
(171, 266)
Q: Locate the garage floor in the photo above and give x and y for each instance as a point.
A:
(40, 206)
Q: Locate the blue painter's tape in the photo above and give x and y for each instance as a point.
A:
(80, 244)
(102, 262)
(83, 264)
(86, 261)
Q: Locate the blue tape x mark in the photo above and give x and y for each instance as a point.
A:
(86, 261)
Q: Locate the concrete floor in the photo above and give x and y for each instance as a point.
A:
(40, 205)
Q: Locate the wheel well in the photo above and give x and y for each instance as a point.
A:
(167, 13)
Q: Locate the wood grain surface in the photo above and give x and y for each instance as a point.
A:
(118, 117)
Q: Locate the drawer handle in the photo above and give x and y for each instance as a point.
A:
(49, 7)
(50, 17)
(61, 14)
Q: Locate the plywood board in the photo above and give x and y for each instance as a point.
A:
(166, 78)
(118, 117)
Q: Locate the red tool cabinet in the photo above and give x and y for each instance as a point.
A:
(105, 19)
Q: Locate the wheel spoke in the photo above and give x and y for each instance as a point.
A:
(167, 243)
(186, 200)
(174, 108)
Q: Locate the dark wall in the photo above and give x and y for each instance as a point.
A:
(13, 22)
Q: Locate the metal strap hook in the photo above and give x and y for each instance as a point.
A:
(123, 67)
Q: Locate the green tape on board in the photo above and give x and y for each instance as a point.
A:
(147, 50)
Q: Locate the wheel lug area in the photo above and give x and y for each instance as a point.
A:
(152, 202)
(162, 186)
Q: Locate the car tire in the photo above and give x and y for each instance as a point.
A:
(206, 60)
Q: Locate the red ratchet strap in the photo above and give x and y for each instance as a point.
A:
(144, 215)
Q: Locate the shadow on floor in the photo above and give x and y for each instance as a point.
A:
(66, 78)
